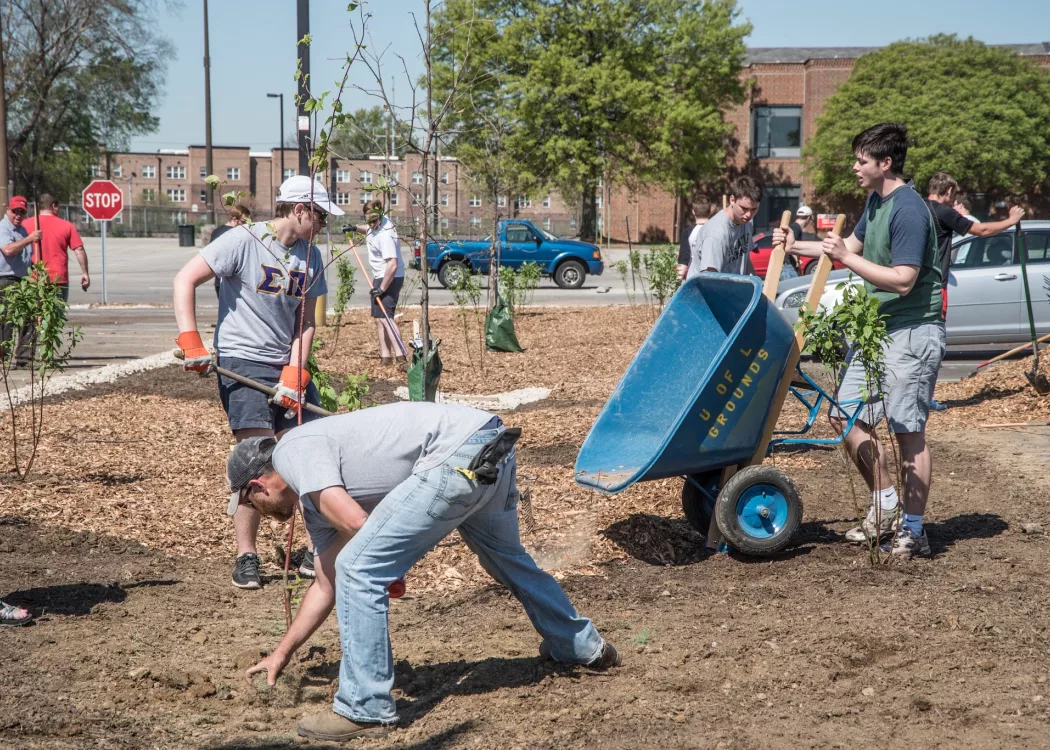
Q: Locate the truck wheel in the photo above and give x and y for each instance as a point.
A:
(570, 274)
(697, 506)
(759, 510)
(451, 272)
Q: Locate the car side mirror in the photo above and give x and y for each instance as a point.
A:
(538, 240)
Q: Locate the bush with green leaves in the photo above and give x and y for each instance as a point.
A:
(662, 273)
(467, 294)
(344, 291)
(36, 303)
(351, 396)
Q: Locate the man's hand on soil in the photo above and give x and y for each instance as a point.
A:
(196, 357)
(288, 396)
(272, 665)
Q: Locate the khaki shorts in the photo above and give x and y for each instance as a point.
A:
(913, 358)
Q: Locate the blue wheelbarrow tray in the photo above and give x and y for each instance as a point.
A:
(698, 393)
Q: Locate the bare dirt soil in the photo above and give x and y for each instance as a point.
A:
(118, 543)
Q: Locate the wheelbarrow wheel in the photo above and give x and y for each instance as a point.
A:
(697, 506)
(759, 510)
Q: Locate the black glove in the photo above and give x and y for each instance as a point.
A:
(375, 292)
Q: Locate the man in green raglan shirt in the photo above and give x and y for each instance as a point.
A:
(894, 250)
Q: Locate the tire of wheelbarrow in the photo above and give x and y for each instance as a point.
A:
(696, 507)
(739, 511)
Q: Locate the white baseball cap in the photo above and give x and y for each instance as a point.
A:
(297, 189)
(804, 211)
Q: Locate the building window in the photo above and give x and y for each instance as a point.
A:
(393, 178)
(342, 175)
(178, 217)
(393, 199)
(233, 173)
(364, 198)
(547, 202)
(342, 199)
(475, 221)
(204, 196)
(777, 132)
(444, 222)
(475, 201)
(176, 173)
(501, 201)
(149, 172)
(149, 195)
(572, 222)
(366, 178)
(118, 171)
(289, 172)
(523, 202)
(444, 178)
(204, 172)
(415, 220)
(444, 199)
(776, 199)
(598, 201)
(96, 170)
(547, 223)
(176, 195)
(417, 178)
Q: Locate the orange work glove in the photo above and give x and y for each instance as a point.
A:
(287, 394)
(196, 357)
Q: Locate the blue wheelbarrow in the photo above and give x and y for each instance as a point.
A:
(700, 400)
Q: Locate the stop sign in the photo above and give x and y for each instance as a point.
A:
(102, 200)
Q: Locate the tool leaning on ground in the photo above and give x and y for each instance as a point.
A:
(1036, 378)
(269, 391)
(701, 401)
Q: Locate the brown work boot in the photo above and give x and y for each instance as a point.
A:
(332, 727)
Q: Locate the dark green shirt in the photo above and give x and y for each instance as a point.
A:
(898, 230)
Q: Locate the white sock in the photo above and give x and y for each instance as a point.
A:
(887, 498)
(913, 523)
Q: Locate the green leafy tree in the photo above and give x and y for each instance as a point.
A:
(81, 77)
(980, 113)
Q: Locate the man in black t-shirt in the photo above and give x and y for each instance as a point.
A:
(942, 192)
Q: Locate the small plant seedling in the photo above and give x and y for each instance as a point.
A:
(643, 637)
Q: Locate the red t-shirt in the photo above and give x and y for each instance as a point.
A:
(59, 238)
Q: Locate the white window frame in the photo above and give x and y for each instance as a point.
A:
(173, 192)
(204, 196)
(118, 170)
(444, 199)
(175, 172)
(96, 170)
(522, 202)
(475, 221)
(547, 223)
(365, 178)
(501, 201)
(149, 195)
(204, 172)
(149, 171)
(417, 178)
(342, 175)
(393, 199)
(444, 178)
(444, 222)
(288, 172)
(547, 202)
(393, 178)
(233, 173)
(342, 199)
(364, 198)
(475, 201)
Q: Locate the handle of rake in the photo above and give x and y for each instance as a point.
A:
(271, 392)
(1005, 355)
(776, 263)
(382, 307)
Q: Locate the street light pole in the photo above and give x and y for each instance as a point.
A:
(280, 144)
(207, 118)
(3, 128)
(302, 17)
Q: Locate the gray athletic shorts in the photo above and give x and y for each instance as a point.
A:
(246, 407)
(913, 358)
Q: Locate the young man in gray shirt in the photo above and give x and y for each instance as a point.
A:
(271, 275)
(379, 488)
(723, 244)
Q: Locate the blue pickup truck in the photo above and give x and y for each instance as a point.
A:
(568, 262)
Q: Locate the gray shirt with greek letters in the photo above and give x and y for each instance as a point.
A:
(722, 245)
(263, 283)
(369, 453)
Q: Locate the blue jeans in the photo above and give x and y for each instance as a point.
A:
(407, 523)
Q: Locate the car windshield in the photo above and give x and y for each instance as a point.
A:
(547, 235)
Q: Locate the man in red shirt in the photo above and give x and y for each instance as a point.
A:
(59, 237)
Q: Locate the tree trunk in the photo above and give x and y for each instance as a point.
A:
(589, 211)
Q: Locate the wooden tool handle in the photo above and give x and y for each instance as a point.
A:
(776, 262)
(820, 280)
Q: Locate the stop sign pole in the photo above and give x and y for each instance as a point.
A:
(102, 201)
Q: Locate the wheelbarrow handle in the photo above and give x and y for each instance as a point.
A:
(271, 392)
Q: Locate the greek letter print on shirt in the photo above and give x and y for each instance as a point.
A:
(273, 281)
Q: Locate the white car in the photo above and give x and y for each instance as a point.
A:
(985, 290)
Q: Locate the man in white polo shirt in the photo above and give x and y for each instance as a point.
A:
(388, 276)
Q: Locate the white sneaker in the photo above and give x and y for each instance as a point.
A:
(866, 531)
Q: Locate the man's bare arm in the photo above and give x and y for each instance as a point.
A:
(982, 229)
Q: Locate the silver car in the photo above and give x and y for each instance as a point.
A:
(985, 290)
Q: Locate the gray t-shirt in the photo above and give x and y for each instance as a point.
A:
(722, 245)
(263, 282)
(369, 453)
(14, 265)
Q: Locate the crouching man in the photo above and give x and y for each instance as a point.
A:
(378, 489)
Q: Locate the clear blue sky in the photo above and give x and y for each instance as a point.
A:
(253, 50)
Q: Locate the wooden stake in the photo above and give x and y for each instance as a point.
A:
(776, 263)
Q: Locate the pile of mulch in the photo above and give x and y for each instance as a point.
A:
(144, 459)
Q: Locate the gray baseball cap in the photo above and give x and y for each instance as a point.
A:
(248, 460)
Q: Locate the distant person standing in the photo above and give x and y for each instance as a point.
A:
(723, 244)
(59, 237)
(388, 276)
(963, 206)
(696, 218)
(239, 215)
(16, 257)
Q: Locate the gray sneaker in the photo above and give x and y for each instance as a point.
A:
(246, 572)
(866, 531)
(906, 544)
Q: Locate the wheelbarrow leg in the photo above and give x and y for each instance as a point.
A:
(714, 540)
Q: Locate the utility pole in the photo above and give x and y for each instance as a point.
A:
(3, 128)
(435, 224)
(280, 146)
(302, 125)
(207, 118)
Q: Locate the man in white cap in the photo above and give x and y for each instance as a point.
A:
(271, 274)
(803, 224)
